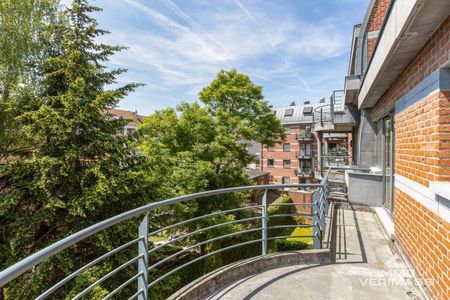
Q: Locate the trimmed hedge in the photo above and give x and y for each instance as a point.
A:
(285, 245)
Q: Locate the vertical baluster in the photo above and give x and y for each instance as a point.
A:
(264, 223)
(143, 261)
(316, 219)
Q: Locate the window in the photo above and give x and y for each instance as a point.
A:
(305, 149)
(306, 165)
(270, 149)
(287, 129)
(308, 129)
(270, 162)
(289, 112)
(307, 110)
(285, 180)
(286, 147)
(286, 163)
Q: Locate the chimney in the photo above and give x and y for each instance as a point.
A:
(322, 100)
(292, 103)
(307, 102)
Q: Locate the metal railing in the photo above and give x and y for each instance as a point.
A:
(256, 220)
(337, 100)
(325, 113)
(323, 163)
(303, 154)
(304, 172)
(328, 161)
(304, 136)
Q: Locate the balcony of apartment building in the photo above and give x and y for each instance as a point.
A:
(304, 135)
(305, 172)
(346, 254)
(336, 115)
(304, 154)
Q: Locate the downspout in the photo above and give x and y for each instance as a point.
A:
(361, 125)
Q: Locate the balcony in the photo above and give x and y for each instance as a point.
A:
(303, 136)
(303, 154)
(335, 116)
(304, 172)
(347, 256)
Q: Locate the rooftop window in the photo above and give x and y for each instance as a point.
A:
(307, 110)
(289, 112)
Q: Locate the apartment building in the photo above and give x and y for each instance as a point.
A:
(292, 161)
(398, 92)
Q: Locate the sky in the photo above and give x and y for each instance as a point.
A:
(296, 49)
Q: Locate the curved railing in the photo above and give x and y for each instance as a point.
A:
(256, 218)
(323, 114)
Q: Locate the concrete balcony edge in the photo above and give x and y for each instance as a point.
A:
(211, 282)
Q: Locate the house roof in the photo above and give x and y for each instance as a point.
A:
(254, 174)
(296, 114)
(136, 119)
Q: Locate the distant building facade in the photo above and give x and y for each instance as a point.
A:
(133, 116)
(293, 160)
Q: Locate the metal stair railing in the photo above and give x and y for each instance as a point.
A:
(140, 261)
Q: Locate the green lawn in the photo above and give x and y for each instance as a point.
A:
(302, 231)
(155, 239)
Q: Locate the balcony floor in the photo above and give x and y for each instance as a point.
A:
(365, 268)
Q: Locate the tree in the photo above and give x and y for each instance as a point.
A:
(25, 40)
(73, 169)
(239, 107)
(193, 148)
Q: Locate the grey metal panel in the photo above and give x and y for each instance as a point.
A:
(439, 79)
(298, 115)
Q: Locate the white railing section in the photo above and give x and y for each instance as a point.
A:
(317, 217)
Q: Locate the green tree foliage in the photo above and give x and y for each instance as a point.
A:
(195, 148)
(238, 106)
(25, 39)
(73, 170)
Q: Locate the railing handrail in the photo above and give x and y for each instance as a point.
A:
(27, 263)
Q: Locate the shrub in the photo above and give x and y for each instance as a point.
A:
(285, 245)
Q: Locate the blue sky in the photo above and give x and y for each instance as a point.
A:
(296, 49)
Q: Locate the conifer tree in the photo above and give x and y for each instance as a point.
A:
(73, 169)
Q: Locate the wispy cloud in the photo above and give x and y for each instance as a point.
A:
(176, 47)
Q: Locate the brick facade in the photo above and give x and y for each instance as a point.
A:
(377, 15)
(422, 151)
(422, 140)
(374, 23)
(431, 56)
(425, 239)
(278, 154)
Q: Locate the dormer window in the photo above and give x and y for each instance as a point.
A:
(307, 110)
(289, 112)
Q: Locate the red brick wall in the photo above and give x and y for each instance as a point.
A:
(431, 57)
(425, 238)
(279, 155)
(374, 23)
(370, 47)
(422, 140)
(377, 15)
(300, 197)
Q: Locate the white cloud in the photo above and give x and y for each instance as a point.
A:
(191, 44)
